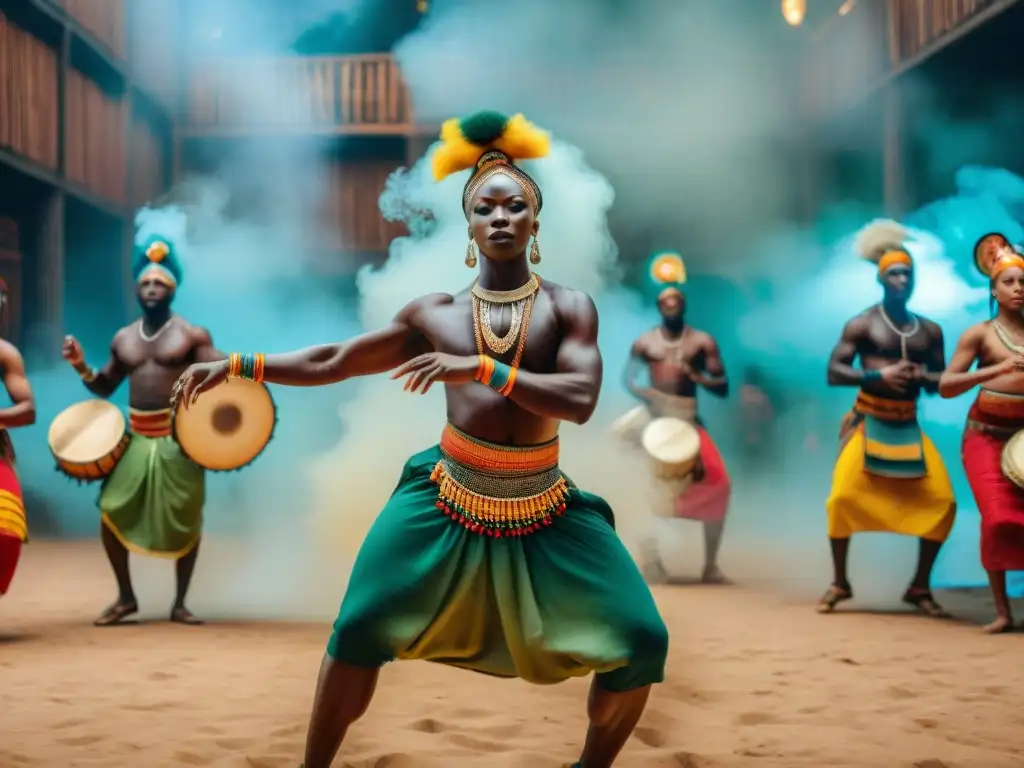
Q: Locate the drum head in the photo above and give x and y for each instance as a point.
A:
(672, 441)
(87, 431)
(1013, 458)
(227, 427)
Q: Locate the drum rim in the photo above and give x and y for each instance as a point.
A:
(273, 430)
(107, 405)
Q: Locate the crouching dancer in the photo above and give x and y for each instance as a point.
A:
(486, 557)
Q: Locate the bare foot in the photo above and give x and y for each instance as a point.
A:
(182, 615)
(714, 575)
(116, 613)
(833, 596)
(923, 600)
(999, 626)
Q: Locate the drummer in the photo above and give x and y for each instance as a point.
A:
(679, 358)
(21, 413)
(152, 503)
(997, 346)
(888, 477)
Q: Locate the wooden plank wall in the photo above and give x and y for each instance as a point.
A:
(148, 162)
(28, 95)
(918, 23)
(349, 214)
(95, 138)
(104, 19)
(10, 280)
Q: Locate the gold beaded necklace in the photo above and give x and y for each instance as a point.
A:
(521, 299)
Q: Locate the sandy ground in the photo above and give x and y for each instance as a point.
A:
(754, 680)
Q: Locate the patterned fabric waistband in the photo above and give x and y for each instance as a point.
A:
(12, 515)
(997, 413)
(884, 409)
(150, 423)
(498, 490)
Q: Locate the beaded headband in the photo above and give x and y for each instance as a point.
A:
(493, 163)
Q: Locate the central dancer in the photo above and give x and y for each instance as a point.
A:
(486, 557)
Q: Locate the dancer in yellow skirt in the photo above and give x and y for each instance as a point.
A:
(889, 477)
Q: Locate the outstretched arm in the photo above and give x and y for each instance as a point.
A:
(365, 355)
(22, 411)
(841, 372)
(958, 377)
(569, 394)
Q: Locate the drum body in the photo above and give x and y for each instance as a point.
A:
(673, 446)
(228, 427)
(88, 439)
(1012, 460)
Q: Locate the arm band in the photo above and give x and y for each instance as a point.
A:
(249, 367)
(871, 376)
(496, 375)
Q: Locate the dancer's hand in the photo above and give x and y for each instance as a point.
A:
(71, 351)
(197, 379)
(434, 367)
(899, 375)
(1012, 364)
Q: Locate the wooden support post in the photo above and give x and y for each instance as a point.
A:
(47, 242)
(63, 65)
(894, 190)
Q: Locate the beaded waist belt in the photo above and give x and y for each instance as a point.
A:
(997, 413)
(150, 423)
(499, 490)
(885, 409)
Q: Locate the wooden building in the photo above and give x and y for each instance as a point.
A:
(879, 75)
(85, 138)
(355, 108)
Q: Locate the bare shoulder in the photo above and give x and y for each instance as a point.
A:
(930, 326)
(859, 325)
(702, 339)
(125, 333)
(10, 355)
(976, 333)
(412, 312)
(571, 306)
(199, 335)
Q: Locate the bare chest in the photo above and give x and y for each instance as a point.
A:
(172, 348)
(458, 330)
(912, 340)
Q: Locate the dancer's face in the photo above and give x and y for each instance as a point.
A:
(1008, 289)
(154, 294)
(898, 282)
(501, 220)
(671, 305)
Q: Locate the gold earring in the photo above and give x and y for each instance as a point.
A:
(535, 252)
(470, 255)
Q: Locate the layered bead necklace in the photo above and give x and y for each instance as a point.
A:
(521, 300)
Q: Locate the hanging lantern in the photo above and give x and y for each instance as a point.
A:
(793, 11)
(421, 6)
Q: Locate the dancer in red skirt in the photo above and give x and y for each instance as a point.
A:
(997, 414)
(21, 413)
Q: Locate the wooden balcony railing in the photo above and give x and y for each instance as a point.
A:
(345, 95)
(854, 54)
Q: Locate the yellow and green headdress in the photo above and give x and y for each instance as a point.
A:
(666, 271)
(491, 143)
(155, 259)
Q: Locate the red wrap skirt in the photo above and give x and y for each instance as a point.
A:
(13, 528)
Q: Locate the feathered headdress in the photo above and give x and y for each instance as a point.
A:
(991, 262)
(490, 143)
(882, 242)
(155, 259)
